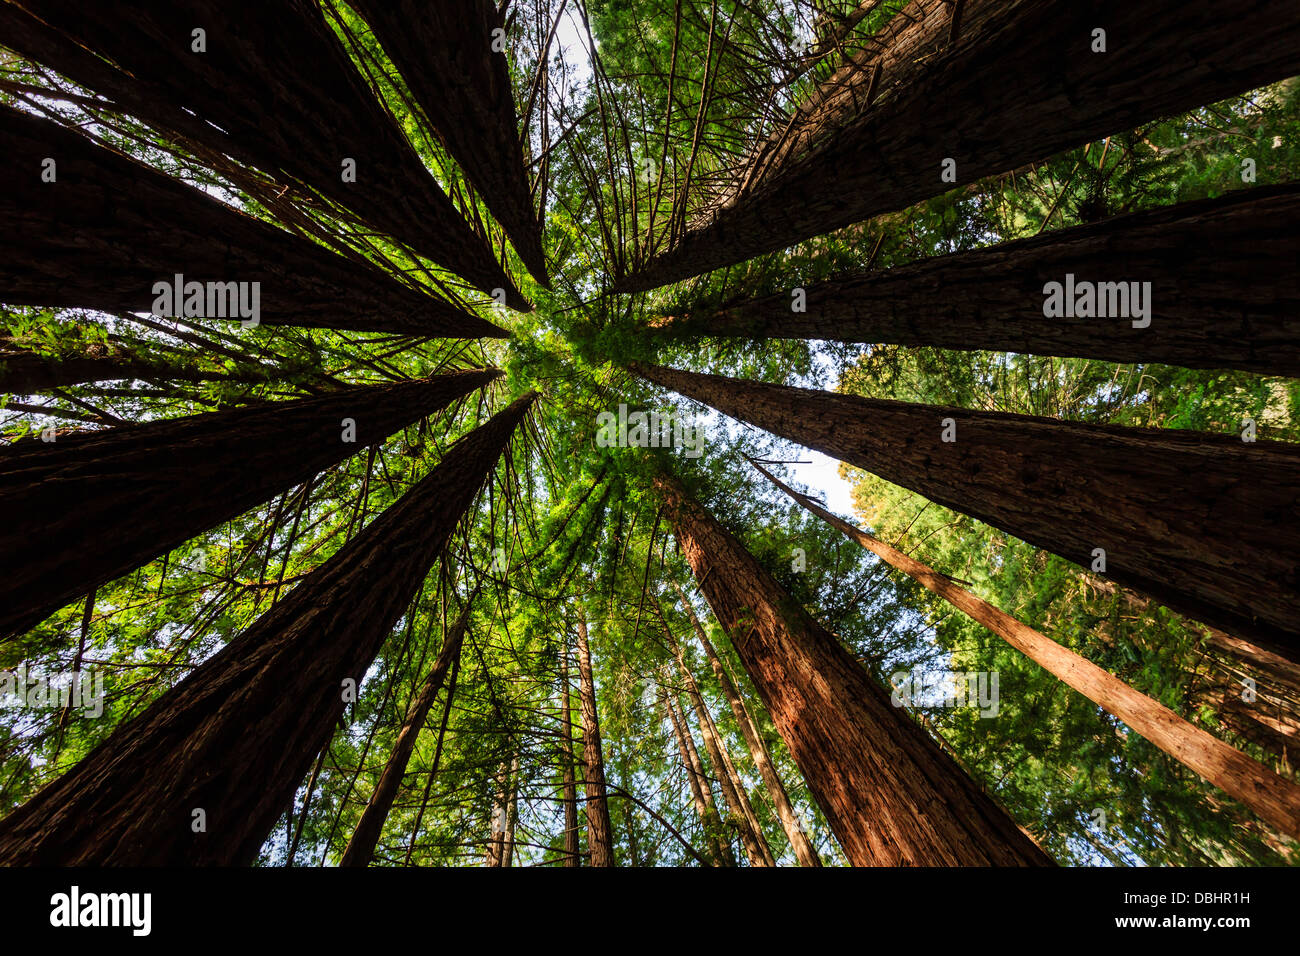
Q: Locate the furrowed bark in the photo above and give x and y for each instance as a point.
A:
(804, 850)
(890, 795)
(1270, 796)
(145, 489)
(444, 51)
(1204, 523)
(361, 848)
(274, 89)
(1223, 293)
(109, 228)
(600, 832)
(876, 143)
(260, 709)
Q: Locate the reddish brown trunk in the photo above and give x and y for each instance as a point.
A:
(145, 489)
(445, 52)
(1272, 797)
(1224, 292)
(235, 738)
(274, 89)
(1204, 523)
(720, 851)
(890, 795)
(109, 228)
(877, 141)
(804, 851)
(361, 848)
(600, 832)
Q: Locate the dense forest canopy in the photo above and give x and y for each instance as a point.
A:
(591, 703)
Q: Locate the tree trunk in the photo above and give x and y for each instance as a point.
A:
(600, 832)
(804, 850)
(29, 373)
(445, 52)
(274, 89)
(145, 489)
(876, 141)
(1203, 523)
(1270, 796)
(890, 795)
(720, 851)
(572, 849)
(1223, 293)
(361, 848)
(109, 228)
(236, 737)
(733, 791)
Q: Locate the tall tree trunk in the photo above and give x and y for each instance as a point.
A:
(877, 140)
(145, 489)
(890, 795)
(572, 848)
(108, 228)
(235, 738)
(1272, 797)
(733, 791)
(275, 89)
(446, 53)
(501, 848)
(720, 851)
(804, 850)
(1203, 523)
(28, 373)
(1223, 292)
(361, 848)
(600, 832)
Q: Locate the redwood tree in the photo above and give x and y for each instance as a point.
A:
(148, 488)
(457, 72)
(1203, 523)
(272, 87)
(1274, 798)
(202, 775)
(1223, 292)
(1018, 81)
(600, 832)
(108, 228)
(361, 848)
(890, 795)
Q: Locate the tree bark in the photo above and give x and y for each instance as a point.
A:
(1272, 797)
(28, 373)
(1224, 292)
(733, 791)
(877, 141)
(600, 832)
(445, 52)
(572, 849)
(274, 89)
(88, 508)
(890, 795)
(1204, 523)
(720, 852)
(109, 228)
(235, 738)
(804, 850)
(361, 848)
